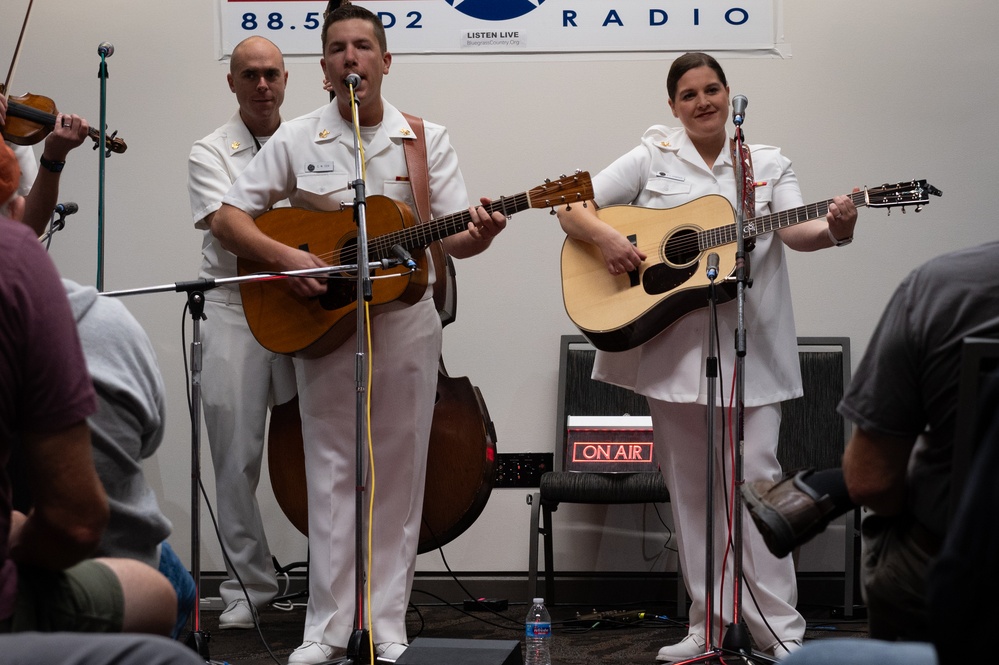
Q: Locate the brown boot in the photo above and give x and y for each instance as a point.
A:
(787, 513)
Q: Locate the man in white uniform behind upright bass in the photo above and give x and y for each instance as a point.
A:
(241, 378)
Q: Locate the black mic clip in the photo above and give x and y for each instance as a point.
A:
(405, 258)
(62, 210)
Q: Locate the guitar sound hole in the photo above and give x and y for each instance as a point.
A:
(681, 247)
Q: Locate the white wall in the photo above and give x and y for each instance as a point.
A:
(872, 92)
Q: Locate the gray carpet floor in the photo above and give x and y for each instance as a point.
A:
(575, 642)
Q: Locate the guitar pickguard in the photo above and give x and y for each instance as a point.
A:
(341, 290)
(661, 278)
(339, 293)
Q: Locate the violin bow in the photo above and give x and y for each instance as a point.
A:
(17, 51)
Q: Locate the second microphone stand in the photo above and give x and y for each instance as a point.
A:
(195, 290)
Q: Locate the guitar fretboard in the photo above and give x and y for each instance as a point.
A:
(755, 226)
(422, 235)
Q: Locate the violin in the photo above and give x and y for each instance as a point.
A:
(31, 117)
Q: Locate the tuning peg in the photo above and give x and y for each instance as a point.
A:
(919, 208)
(548, 181)
(552, 211)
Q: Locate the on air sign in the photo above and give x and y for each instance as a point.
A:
(610, 444)
(469, 27)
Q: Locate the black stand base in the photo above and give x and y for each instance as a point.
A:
(358, 650)
(737, 641)
(198, 641)
(735, 648)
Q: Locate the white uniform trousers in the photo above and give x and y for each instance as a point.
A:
(680, 432)
(406, 350)
(240, 378)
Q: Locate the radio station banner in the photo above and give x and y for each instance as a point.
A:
(470, 27)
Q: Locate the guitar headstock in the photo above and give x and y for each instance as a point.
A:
(914, 192)
(566, 190)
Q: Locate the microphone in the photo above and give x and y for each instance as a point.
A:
(400, 252)
(712, 271)
(63, 209)
(739, 104)
(106, 49)
(352, 81)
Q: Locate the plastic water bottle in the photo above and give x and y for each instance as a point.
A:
(538, 630)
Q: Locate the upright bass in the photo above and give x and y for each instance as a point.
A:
(461, 458)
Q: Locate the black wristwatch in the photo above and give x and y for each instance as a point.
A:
(49, 165)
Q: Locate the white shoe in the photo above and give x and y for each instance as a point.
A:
(782, 650)
(311, 653)
(390, 651)
(236, 615)
(690, 646)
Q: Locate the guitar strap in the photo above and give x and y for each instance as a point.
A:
(445, 291)
(749, 200)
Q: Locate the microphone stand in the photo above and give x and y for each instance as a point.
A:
(54, 226)
(737, 637)
(104, 50)
(736, 642)
(358, 646)
(195, 290)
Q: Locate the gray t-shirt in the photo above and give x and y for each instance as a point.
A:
(907, 382)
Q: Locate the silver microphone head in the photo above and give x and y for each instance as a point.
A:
(352, 81)
(106, 49)
(739, 104)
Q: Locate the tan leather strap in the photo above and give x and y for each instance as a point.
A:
(445, 291)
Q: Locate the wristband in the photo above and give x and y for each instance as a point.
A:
(49, 165)
(838, 243)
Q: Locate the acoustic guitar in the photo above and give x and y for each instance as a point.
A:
(284, 322)
(620, 312)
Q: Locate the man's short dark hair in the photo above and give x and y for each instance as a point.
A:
(348, 11)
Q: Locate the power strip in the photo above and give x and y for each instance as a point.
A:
(521, 469)
(486, 605)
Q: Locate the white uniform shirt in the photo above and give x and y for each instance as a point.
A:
(666, 171)
(310, 161)
(29, 167)
(214, 164)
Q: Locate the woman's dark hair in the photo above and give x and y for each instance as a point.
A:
(684, 64)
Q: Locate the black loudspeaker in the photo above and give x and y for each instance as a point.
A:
(435, 651)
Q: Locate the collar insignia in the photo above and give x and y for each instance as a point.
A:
(234, 145)
(405, 131)
(323, 134)
(664, 144)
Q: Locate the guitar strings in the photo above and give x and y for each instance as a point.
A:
(421, 235)
(691, 244)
